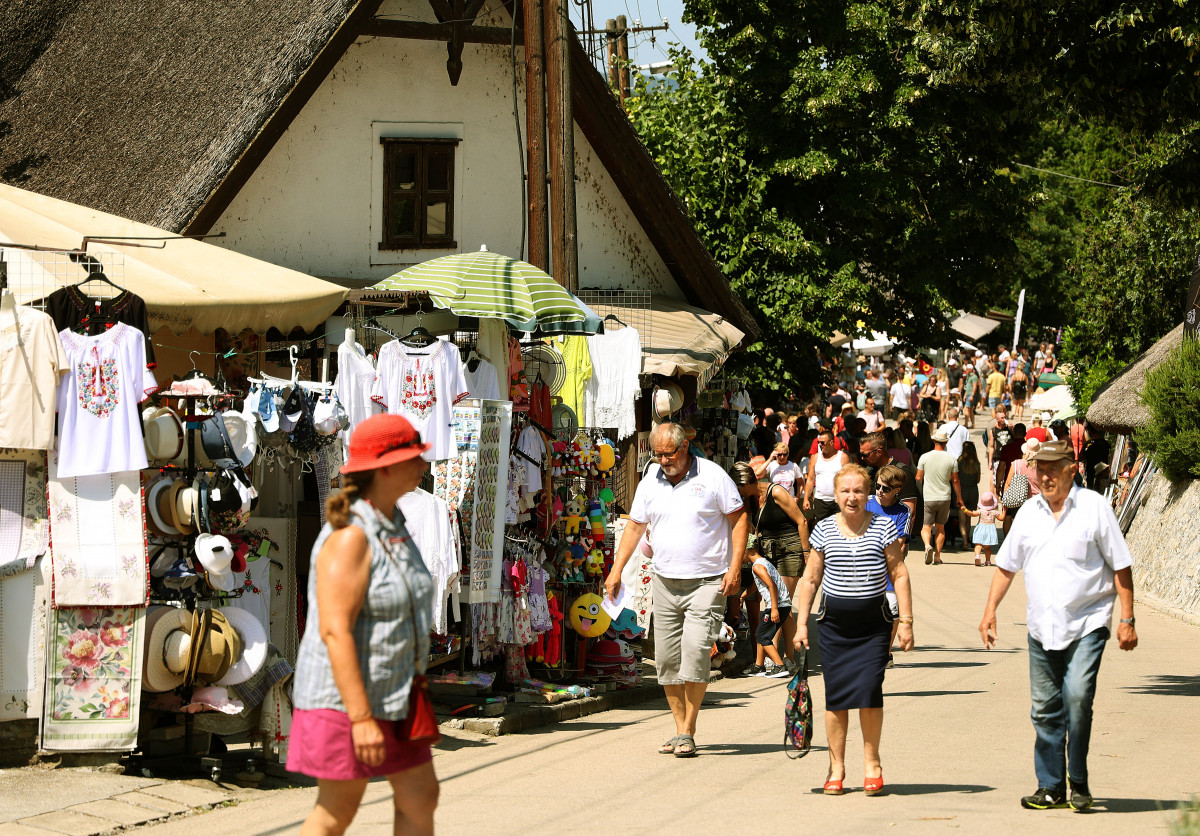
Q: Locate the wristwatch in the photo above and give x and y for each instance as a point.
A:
(1129, 621)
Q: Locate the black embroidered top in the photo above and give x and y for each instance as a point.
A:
(69, 308)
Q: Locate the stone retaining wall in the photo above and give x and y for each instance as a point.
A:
(1165, 541)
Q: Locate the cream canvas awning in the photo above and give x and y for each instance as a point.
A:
(684, 341)
(972, 326)
(185, 283)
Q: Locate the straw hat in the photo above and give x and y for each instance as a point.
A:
(164, 434)
(668, 398)
(215, 646)
(183, 507)
(158, 507)
(254, 646)
(163, 670)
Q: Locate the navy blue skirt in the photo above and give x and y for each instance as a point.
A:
(853, 637)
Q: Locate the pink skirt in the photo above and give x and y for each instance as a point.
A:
(321, 745)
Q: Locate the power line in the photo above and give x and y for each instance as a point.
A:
(1069, 176)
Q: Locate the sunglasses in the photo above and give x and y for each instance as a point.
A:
(882, 488)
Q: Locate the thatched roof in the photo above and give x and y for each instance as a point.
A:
(159, 110)
(140, 108)
(1116, 408)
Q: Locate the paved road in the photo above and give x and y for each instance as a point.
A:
(957, 749)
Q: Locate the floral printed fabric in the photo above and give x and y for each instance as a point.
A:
(98, 540)
(94, 667)
(24, 527)
(23, 608)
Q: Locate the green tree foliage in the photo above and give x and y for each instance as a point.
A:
(1172, 394)
(1066, 162)
(1130, 65)
(837, 189)
(1133, 271)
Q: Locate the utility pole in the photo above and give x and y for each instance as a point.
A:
(616, 41)
(564, 253)
(535, 130)
(624, 80)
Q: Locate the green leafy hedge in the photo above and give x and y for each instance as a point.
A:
(1172, 394)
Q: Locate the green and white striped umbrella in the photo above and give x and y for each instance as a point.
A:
(488, 285)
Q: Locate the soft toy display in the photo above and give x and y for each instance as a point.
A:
(584, 453)
(587, 617)
(595, 562)
(606, 456)
(574, 518)
(558, 459)
(596, 515)
(626, 626)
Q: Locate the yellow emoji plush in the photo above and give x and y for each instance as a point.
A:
(587, 617)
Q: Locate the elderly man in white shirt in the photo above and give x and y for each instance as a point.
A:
(699, 529)
(956, 434)
(1069, 545)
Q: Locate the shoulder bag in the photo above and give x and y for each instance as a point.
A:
(1017, 491)
(420, 724)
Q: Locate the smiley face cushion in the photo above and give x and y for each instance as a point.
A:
(587, 617)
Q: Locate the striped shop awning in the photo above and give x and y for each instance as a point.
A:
(488, 285)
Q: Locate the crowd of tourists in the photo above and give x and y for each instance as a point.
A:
(837, 491)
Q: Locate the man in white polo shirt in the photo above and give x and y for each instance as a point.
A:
(698, 529)
(1069, 545)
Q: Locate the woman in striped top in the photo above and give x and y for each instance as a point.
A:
(853, 553)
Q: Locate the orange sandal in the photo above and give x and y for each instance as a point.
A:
(873, 786)
(833, 788)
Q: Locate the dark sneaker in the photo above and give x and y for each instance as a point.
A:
(753, 670)
(1081, 796)
(779, 672)
(1044, 799)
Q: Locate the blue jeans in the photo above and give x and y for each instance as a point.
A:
(1062, 684)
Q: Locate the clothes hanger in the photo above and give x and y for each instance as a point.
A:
(419, 336)
(95, 271)
(614, 318)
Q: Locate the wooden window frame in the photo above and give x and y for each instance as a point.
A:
(422, 194)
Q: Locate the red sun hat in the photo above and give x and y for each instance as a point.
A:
(382, 440)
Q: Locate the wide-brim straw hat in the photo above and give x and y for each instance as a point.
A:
(253, 634)
(157, 675)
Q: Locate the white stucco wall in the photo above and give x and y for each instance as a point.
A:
(314, 204)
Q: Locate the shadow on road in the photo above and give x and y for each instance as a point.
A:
(929, 693)
(748, 748)
(1168, 685)
(1137, 805)
(931, 789)
(940, 664)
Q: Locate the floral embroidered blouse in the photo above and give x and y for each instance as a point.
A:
(423, 385)
(99, 426)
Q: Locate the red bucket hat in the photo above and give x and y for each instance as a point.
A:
(382, 440)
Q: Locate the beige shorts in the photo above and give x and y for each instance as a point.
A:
(936, 513)
(687, 619)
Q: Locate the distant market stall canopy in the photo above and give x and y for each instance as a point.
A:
(185, 283)
(973, 327)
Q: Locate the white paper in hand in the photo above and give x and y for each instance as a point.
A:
(613, 608)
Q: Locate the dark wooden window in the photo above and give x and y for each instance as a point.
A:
(418, 194)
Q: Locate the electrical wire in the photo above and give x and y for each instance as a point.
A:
(1069, 176)
(512, 48)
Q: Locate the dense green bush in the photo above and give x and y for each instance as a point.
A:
(1172, 394)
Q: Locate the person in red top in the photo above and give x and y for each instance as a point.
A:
(1037, 430)
(1078, 438)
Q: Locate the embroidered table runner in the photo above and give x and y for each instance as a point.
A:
(94, 667)
(23, 606)
(98, 540)
(23, 524)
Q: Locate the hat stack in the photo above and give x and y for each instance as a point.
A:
(613, 658)
(204, 647)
